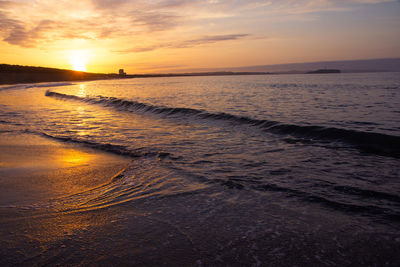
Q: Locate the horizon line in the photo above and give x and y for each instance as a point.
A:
(218, 69)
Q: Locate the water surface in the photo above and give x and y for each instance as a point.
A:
(327, 145)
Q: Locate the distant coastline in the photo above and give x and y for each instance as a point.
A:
(324, 71)
(14, 74)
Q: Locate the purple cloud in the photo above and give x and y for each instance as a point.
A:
(188, 43)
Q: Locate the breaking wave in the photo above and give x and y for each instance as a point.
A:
(106, 147)
(376, 143)
(142, 179)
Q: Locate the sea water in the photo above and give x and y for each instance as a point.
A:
(233, 147)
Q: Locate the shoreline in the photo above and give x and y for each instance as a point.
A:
(22, 78)
(16, 74)
(168, 75)
(36, 169)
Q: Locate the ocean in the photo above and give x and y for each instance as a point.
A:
(257, 170)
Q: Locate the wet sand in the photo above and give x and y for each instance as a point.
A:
(176, 232)
(213, 227)
(35, 169)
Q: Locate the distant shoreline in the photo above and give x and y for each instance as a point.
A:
(16, 74)
(13, 74)
(21, 77)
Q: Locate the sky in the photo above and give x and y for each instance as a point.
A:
(158, 36)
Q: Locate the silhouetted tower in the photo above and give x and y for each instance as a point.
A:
(121, 72)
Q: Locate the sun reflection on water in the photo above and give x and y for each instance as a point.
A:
(73, 157)
(82, 90)
(83, 124)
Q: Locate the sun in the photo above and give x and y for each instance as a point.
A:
(78, 59)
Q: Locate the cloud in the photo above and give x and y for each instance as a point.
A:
(12, 30)
(289, 6)
(205, 40)
(210, 39)
(108, 3)
(371, 1)
(18, 36)
(155, 21)
(16, 32)
(7, 23)
(40, 33)
(39, 23)
(6, 4)
(175, 4)
(145, 66)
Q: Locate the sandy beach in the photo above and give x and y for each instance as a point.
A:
(34, 173)
(36, 168)
(156, 231)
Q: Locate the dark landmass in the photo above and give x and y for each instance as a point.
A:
(346, 66)
(11, 74)
(324, 71)
(219, 73)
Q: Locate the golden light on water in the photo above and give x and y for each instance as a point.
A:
(82, 90)
(78, 59)
(83, 125)
(73, 157)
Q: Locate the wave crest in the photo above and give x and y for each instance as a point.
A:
(376, 143)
